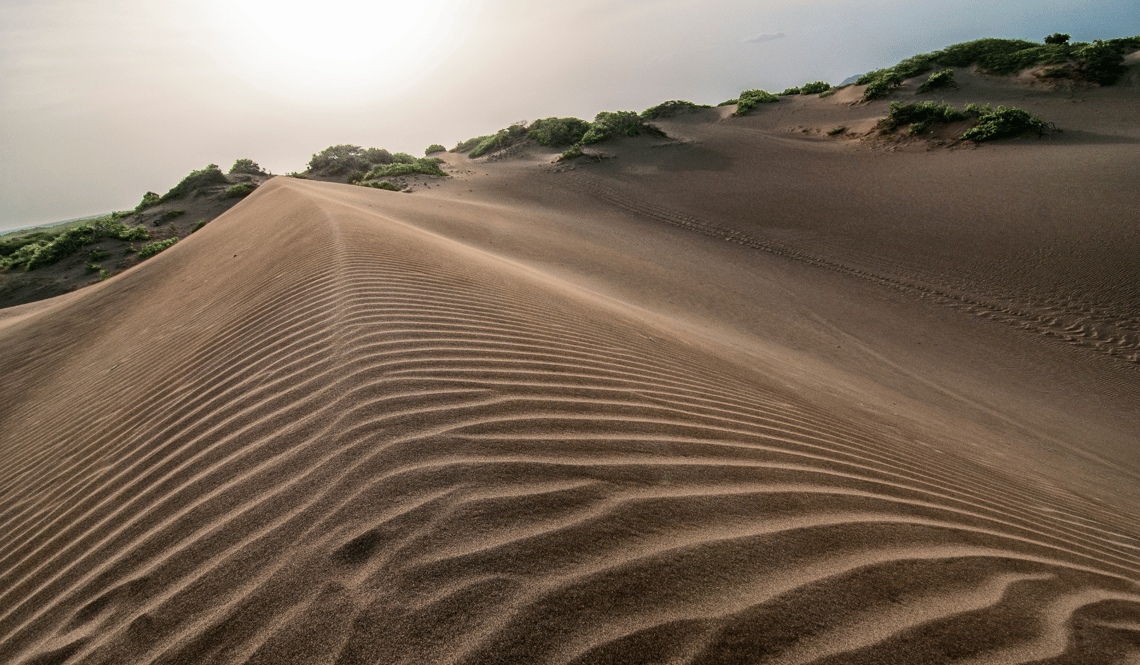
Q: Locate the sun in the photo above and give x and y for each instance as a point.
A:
(334, 50)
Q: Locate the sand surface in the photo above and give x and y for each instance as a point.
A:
(747, 394)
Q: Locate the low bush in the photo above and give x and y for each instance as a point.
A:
(921, 112)
(149, 200)
(147, 251)
(611, 124)
(246, 166)
(211, 175)
(814, 88)
(383, 184)
(171, 214)
(424, 165)
(671, 108)
(44, 249)
(1058, 38)
(1004, 122)
(1099, 62)
(239, 191)
(942, 79)
(295, 174)
(789, 91)
(434, 148)
(355, 177)
(342, 158)
(573, 153)
(837, 130)
(198, 225)
(729, 102)
(92, 267)
(377, 156)
(501, 139)
(403, 158)
(750, 99)
(98, 255)
(470, 144)
(556, 132)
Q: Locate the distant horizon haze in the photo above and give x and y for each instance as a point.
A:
(101, 102)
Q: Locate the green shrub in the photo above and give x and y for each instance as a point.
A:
(1058, 38)
(470, 144)
(92, 267)
(837, 130)
(556, 132)
(729, 102)
(171, 214)
(147, 251)
(377, 156)
(343, 158)
(434, 148)
(149, 199)
(815, 87)
(749, 99)
(210, 175)
(789, 91)
(501, 139)
(403, 158)
(130, 249)
(424, 165)
(355, 177)
(98, 255)
(573, 153)
(1003, 122)
(611, 124)
(104, 274)
(295, 174)
(246, 166)
(45, 249)
(383, 184)
(241, 190)
(919, 128)
(921, 112)
(1099, 62)
(671, 108)
(198, 225)
(942, 79)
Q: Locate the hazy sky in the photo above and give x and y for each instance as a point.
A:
(102, 100)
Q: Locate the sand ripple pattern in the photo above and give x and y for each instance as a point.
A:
(411, 454)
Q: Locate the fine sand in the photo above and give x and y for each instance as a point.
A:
(748, 394)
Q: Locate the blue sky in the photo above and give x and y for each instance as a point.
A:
(101, 101)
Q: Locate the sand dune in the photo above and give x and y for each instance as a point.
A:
(519, 419)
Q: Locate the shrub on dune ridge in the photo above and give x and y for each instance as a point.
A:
(750, 99)
(1004, 122)
(342, 158)
(211, 175)
(45, 250)
(992, 123)
(240, 191)
(424, 165)
(942, 79)
(434, 148)
(503, 138)
(611, 124)
(671, 108)
(554, 132)
(147, 251)
(246, 166)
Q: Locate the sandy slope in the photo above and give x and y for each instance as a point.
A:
(643, 411)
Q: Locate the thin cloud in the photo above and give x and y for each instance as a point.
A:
(766, 37)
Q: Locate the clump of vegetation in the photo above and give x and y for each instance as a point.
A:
(198, 225)
(147, 251)
(503, 138)
(171, 214)
(246, 166)
(98, 255)
(295, 174)
(573, 153)
(434, 148)
(92, 267)
(469, 144)
(149, 199)
(921, 112)
(992, 123)
(837, 130)
(1003, 122)
(240, 190)
(831, 91)
(355, 177)
(383, 184)
(813, 88)
(750, 99)
(1100, 61)
(424, 165)
(671, 108)
(211, 175)
(611, 124)
(37, 250)
(556, 132)
(338, 159)
(937, 80)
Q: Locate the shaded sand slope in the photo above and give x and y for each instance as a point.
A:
(320, 430)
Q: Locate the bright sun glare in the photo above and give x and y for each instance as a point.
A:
(335, 50)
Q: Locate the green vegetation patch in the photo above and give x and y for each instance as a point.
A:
(1100, 61)
(750, 99)
(612, 124)
(246, 166)
(573, 153)
(504, 138)
(434, 148)
(424, 165)
(147, 251)
(938, 80)
(671, 108)
(345, 158)
(211, 175)
(239, 191)
(556, 132)
(1004, 122)
(171, 214)
(37, 250)
(149, 199)
(200, 223)
(921, 112)
(383, 184)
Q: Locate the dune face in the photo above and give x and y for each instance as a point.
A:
(560, 419)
